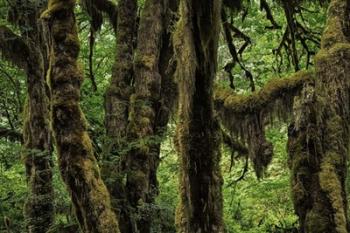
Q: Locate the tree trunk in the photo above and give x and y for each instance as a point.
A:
(319, 137)
(77, 163)
(27, 53)
(143, 158)
(116, 113)
(150, 98)
(39, 208)
(198, 136)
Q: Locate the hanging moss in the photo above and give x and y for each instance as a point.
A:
(247, 116)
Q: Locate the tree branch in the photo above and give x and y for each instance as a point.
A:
(245, 117)
(274, 99)
(13, 48)
(265, 6)
(228, 27)
(96, 7)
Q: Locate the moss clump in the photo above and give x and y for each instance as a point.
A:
(336, 27)
(264, 99)
(55, 6)
(329, 182)
(247, 116)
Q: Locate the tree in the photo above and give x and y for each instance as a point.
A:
(138, 104)
(77, 163)
(27, 52)
(141, 95)
(198, 137)
(319, 136)
(116, 112)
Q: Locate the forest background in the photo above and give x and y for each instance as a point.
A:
(250, 204)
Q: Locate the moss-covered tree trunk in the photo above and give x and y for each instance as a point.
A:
(117, 110)
(138, 103)
(39, 208)
(26, 51)
(77, 163)
(198, 138)
(143, 158)
(319, 137)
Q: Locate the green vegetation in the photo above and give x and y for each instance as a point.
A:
(277, 89)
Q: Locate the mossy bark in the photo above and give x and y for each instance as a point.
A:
(116, 113)
(138, 105)
(143, 158)
(198, 136)
(39, 208)
(26, 51)
(77, 163)
(319, 137)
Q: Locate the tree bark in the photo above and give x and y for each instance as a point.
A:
(141, 88)
(26, 52)
(39, 208)
(319, 137)
(77, 163)
(198, 135)
(116, 113)
(143, 158)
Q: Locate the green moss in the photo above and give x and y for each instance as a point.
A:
(333, 54)
(316, 222)
(132, 114)
(334, 29)
(329, 182)
(270, 93)
(247, 116)
(55, 6)
(147, 60)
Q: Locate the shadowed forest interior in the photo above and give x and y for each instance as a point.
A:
(165, 116)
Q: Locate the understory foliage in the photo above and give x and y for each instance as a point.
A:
(255, 142)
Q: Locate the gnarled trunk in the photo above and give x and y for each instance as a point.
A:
(77, 163)
(198, 137)
(319, 137)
